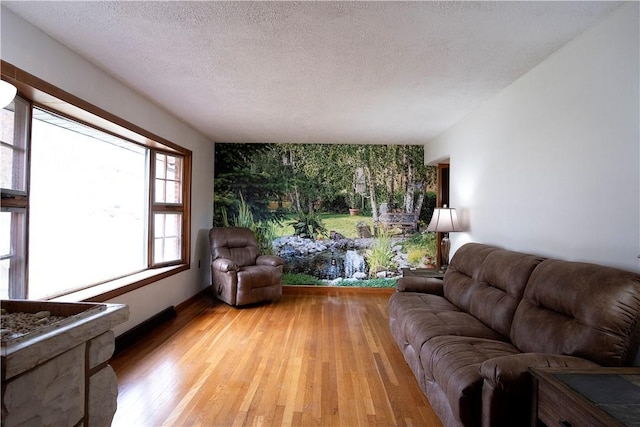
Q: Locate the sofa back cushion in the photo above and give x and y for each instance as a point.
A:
(582, 310)
(463, 273)
(488, 283)
(500, 288)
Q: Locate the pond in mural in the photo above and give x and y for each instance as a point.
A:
(328, 265)
(337, 214)
(329, 261)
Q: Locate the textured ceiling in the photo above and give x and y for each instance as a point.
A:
(325, 72)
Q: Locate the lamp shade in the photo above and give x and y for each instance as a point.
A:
(444, 220)
(7, 93)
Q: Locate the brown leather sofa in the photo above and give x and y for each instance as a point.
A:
(239, 274)
(471, 337)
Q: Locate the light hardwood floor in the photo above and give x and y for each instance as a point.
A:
(315, 358)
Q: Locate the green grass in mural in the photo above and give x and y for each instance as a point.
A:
(344, 224)
(417, 243)
(371, 283)
(298, 279)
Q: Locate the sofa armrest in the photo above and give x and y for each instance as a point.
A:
(507, 385)
(427, 285)
(508, 371)
(271, 260)
(224, 265)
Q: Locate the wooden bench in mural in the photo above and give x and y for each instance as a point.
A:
(407, 222)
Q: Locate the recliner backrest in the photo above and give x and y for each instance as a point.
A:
(238, 244)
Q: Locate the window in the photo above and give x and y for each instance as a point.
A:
(168, 179)
(167, 205)
(97, 231)
(13, 140)
(13, 178)
(87, 198)
(166, 237)
(12, 252)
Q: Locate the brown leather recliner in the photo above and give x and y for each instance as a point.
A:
(239, 274)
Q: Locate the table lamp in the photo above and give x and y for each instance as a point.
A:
(444, 220)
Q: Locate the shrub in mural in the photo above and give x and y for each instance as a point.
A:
(348, 215)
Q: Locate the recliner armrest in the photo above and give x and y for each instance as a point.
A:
(224, 264)
(426, 285)
(272, 260)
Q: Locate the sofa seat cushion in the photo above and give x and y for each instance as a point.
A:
(416, 318)
(421, 326)
(453, 362)
(401, 302)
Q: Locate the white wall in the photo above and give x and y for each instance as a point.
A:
(551, 165)
(33, 51)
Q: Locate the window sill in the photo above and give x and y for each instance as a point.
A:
(114, 288)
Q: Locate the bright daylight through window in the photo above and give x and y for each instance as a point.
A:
(88, 206)
(82, 206)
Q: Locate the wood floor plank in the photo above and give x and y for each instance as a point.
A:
(314, 358)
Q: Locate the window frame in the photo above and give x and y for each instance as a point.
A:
(16, 203)
(163, 207)
(17, 249)
(48, 97)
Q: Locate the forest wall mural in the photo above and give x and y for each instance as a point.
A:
(341, 215)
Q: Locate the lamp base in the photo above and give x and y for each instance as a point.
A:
(445, 246)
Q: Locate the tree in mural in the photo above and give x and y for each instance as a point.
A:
(314, 176)
(237, 177)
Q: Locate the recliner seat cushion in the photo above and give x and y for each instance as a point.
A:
(264, 293)
(257, 276)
